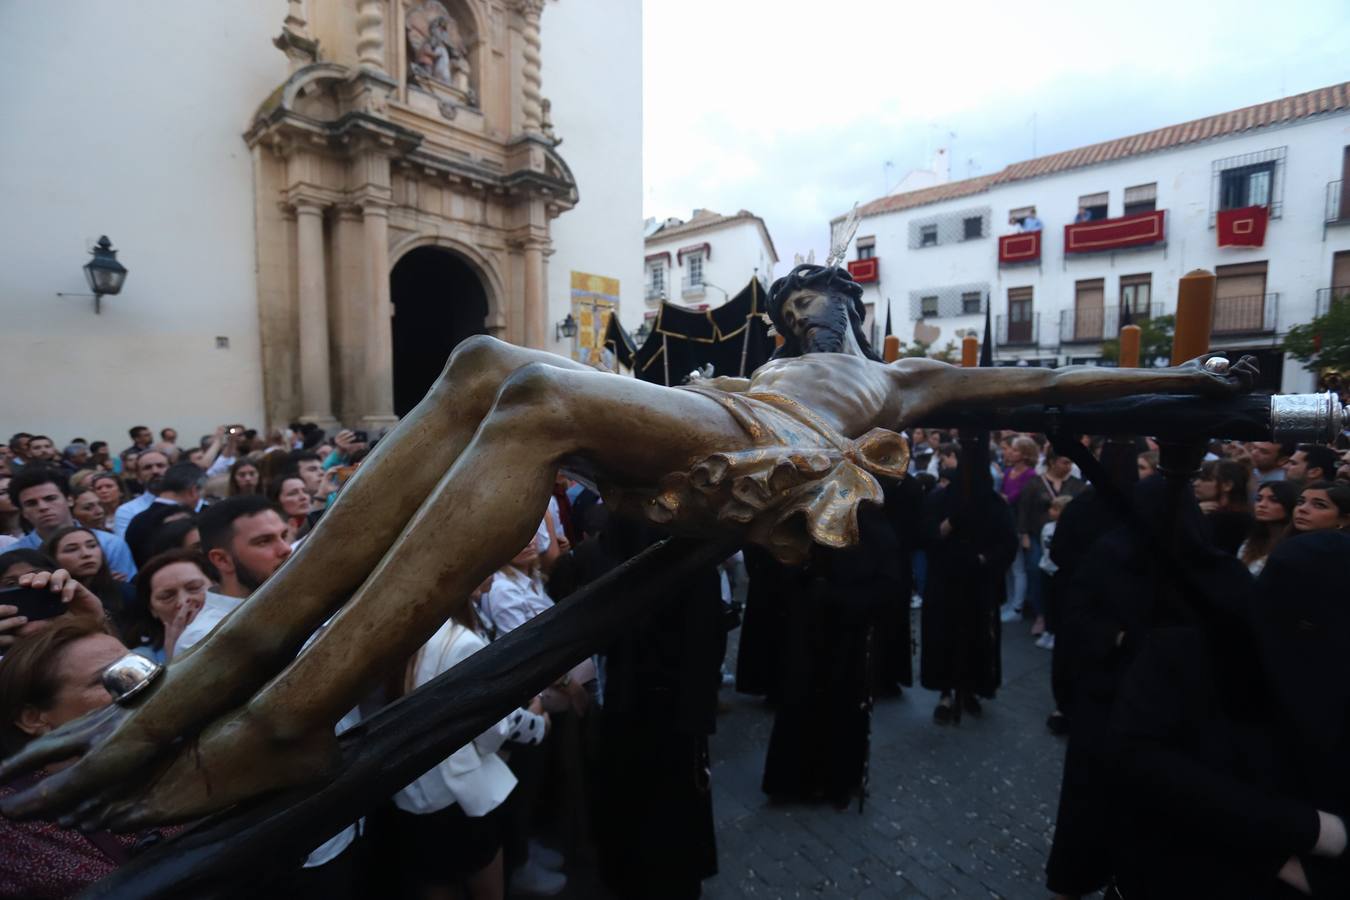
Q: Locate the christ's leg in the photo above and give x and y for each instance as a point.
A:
(483, 511)
(247, 649)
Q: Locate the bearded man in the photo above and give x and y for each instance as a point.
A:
(782, 459)
(245, 539)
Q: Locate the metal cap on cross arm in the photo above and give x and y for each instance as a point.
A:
(1316, 418)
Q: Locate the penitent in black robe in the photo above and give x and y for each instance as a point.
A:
(818, 748)
(759, 648)
(654, 822)
(960, 648)
(893, 641)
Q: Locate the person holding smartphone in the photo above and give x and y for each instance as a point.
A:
(29, 583)
(76, 550)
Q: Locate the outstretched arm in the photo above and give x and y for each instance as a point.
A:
(928, 386)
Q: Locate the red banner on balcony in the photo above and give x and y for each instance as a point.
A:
(1019, 248)
(1138, 230)
(864, 271)
(1245, 227)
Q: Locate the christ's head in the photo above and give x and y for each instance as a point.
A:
(819, 309)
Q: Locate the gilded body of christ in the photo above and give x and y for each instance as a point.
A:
(781, 459)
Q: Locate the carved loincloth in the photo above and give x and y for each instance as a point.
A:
(799, 483)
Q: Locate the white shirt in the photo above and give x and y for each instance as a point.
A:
(215, 608)
(129, 510)
(542, 539)
(515, 598)
(474, 776)
(220, 464)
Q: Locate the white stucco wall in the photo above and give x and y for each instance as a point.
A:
(1299, 259)
(125, 119)
(738, 251)
(592, 73)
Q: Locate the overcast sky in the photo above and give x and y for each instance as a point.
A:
(792, 109)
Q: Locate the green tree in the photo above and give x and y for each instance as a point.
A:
(948, 354)
(1155, 341)
(1323, 343)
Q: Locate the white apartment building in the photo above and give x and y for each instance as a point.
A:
(706, 260)
(1255, 195)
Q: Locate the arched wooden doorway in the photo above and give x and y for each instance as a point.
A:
(438, 301)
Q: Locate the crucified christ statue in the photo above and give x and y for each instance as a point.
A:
(782, 459)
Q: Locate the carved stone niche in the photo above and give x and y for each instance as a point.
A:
(442, 44)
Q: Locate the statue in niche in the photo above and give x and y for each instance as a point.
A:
(437, 51)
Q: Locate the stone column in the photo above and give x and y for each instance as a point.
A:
(351, 306)
(532, 114)
(316, 398)
(370, 34)
(379, 355)
(295, 18)
(536, 299)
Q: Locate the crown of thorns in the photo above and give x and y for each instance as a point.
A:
(829, 280)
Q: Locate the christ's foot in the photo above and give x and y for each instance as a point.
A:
(238, 758)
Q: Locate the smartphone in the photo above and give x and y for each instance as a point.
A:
(360, 437)
(235, 429)
(34, 604)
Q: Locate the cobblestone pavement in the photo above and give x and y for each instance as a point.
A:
(963, 811)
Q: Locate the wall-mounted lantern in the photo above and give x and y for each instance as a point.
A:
(567, 328)
(104, 273)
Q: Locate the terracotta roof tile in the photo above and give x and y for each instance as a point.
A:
(704, 219)
(1335, 98)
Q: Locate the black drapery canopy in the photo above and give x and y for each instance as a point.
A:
(619, 342)
(733, 337)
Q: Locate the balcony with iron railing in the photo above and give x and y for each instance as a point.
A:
(1338, 293)
(1089, 326)
(865, 271)
(1253, 314)
(691, 287)
(1024, 331)
(1338, 204)
(655, 292)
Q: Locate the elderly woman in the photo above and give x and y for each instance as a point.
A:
(171, 588)
(46, 680)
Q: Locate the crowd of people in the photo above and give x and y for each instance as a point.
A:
(1195, 635)
(151, 549)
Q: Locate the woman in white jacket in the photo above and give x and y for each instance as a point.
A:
(449, 818)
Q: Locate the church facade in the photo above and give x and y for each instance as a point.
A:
(315, 202)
